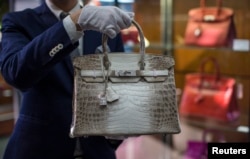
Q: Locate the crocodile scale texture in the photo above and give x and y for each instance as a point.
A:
(143, 106)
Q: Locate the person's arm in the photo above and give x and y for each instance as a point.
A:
(29, 53)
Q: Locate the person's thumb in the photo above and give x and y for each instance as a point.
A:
(131, 14)
(111, 33)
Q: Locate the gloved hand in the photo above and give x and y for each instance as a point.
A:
(109, 20)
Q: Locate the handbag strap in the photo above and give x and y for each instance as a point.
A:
(202, 69)
(203, 6)
(141, 62)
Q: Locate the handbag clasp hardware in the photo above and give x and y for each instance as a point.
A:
(209, 18)
(197, 32)
(102, 99)
(125, 73)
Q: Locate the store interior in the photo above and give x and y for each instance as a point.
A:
(164, 24)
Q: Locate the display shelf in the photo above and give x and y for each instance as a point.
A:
(163, 48)
(234, 126)
(221, 49)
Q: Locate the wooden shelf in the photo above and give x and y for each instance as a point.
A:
(6, 119)
(234, 126)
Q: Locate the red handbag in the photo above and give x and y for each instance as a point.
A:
(130, 34)
(209, 95)
(210, 26)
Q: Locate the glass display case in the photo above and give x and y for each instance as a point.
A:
(233, 61)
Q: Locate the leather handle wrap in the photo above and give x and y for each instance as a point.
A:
(106, 61)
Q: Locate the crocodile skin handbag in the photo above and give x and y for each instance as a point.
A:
(120, 94)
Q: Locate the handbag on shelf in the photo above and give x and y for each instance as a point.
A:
(119, 94)
(210, 26)
(197, 149)
(130, 35)
(209, 95)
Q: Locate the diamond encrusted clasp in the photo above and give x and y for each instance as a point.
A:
(102, 99)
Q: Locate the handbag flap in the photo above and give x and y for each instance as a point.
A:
(124, 61)
(124, 67)
(118, 76)
(124, 73)
(210, 14)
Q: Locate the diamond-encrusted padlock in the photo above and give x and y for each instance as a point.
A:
(103, 101)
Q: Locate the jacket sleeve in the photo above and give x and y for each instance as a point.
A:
(29, 52)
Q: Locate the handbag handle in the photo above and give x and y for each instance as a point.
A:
(202, 69)
(106, 62)
(141, 62)
(203, 6)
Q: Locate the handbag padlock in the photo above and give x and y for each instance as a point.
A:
(102, 99)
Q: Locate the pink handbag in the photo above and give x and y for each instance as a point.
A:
(210, 26)
(198, 149)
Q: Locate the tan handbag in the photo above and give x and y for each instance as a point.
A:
(210, 26)
(124, 94)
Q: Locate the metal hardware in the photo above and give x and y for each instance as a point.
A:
(209, 18)
(125, 73)
(197, 32)
(102, 101)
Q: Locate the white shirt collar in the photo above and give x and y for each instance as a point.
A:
(57, 11)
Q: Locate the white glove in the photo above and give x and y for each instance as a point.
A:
(109, 20)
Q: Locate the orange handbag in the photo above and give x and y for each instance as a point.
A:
(210, 26)
(209, 95)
